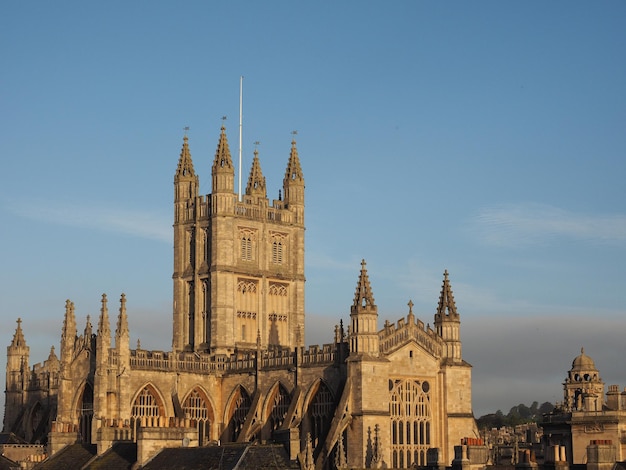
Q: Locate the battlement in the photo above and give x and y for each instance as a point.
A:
(201, 209)
(204, 363)
(394, 335)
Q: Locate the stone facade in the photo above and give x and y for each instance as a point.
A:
(238, 370)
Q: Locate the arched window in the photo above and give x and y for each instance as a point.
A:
(240, 406)
(199, 410)
(85, 413)
(409, 407)
(320, 413)
(280, 406)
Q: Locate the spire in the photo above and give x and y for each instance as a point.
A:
(223, 171)
(256, 180)
(293, 182)
(363, 297)
(364, 318)
(104, 326)
(293, 171)
(18, 337)
(448, 323)
(122, 324)
(185, 164)
(68, 336)
(446, 306)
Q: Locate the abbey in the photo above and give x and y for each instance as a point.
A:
(377, 395)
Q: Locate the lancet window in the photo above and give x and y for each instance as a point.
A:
(280, 406)
(239, 410)
(320, 413)
(411, 419)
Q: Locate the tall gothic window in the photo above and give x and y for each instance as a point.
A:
(320, 413)
(280, 406)
(196, 408)
(239, 408)
(410, 411)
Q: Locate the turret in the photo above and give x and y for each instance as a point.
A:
(186, 185)
(223, 171)
(293, 185)
(122, 349)
(103, 344)
(256, 181)
(364, 318)
(448, 322)
(17, 373)
(68, 335)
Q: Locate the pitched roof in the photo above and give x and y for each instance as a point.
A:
(121, 456)
(226, 457)
(69, 458)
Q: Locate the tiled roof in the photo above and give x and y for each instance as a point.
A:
(226, 457)
(118, 457)
(69, 458)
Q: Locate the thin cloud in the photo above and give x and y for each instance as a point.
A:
(526, 224)
(141, 224)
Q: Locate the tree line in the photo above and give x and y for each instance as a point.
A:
(518, 414)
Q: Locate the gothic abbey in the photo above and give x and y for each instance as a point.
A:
(238, 370)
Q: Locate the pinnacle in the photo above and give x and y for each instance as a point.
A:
(185, 164)
(363, 296)
(293, 171)
(256, 180)
(18, 337)
(446, 305)
(222, 153)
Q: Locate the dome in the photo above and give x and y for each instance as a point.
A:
(583, 362)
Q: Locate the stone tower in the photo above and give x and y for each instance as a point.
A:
(17, 374)
(583, 388)
(368, 373)
(238, 264)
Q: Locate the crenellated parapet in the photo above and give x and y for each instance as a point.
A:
(393, 336)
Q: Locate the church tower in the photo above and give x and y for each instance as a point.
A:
(238, 264)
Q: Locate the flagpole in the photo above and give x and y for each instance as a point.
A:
(240, 128)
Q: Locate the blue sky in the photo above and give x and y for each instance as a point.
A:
(485, 138)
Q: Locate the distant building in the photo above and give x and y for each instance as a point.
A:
(238, 370)
(586, 417)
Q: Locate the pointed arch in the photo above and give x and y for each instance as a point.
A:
(147, 403)
(319, 407)
(236, 410)
(198, 407)
(276, 405)
(411, 418)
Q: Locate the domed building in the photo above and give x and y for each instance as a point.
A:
(587, 417)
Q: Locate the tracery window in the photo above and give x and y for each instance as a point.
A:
(320, 413)
(196, 408)
(146, 404)
(410, 411)
(280, 406)
(240, 407)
